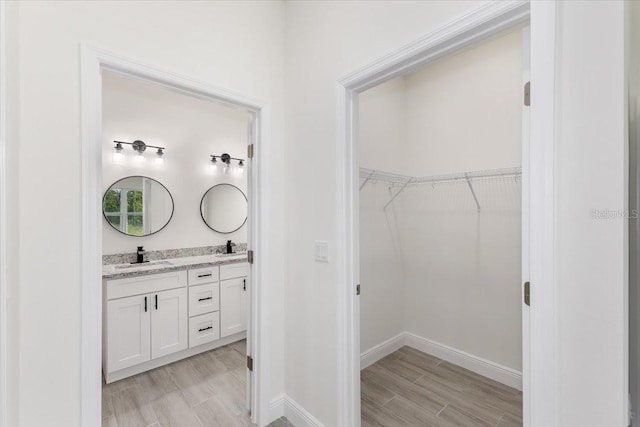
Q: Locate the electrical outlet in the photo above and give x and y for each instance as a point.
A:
(322, 251)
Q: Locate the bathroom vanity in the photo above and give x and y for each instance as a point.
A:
(166, 310)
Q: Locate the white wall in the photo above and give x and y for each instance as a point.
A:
(191, 129)
(383, 146)
(459, 271)
(235, 45)
(464, 111)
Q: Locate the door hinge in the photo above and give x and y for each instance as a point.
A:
(527, 293)
(358, 289)
(250, 151)
(250, 256)
(527, 94)
(250, 363)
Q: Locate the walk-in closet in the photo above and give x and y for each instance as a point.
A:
(441, 240)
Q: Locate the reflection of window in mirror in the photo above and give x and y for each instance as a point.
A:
(137, 206)
(124, 210)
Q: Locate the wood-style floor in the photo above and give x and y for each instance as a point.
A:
(207, 390)
(411, 388)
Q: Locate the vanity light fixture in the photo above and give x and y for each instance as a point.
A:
(226, 159)
(140, 147)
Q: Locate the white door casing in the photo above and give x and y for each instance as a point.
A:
(526, 77)
(482, 23)
(94, 61)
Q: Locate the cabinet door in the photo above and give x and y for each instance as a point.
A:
(233, 306)
(128, 332)
(169, 322)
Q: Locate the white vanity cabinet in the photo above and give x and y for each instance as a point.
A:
(143, 327)
(155, 319)
(233, 298)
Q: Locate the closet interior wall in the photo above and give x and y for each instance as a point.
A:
(431, 263)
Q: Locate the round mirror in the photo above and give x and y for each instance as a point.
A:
(137, 206)
(224, 208)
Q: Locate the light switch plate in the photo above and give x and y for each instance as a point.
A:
(322, 251)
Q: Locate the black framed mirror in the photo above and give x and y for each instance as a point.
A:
(224, 208)
(137, 206)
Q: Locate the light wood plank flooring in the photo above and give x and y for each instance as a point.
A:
(206, 390)
(411, 388)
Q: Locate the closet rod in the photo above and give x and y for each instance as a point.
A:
(403, 181)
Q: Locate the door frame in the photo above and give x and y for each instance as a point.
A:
(4, 286)
(480, 24)
(93, 61)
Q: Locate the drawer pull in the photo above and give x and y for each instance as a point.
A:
(204, 299)
(204, 329)
(205, 275)
(145, 304)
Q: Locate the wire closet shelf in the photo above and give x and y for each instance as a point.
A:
(402, 181)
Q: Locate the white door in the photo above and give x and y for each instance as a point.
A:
(233, 306)
(128, 332)
(169, 322)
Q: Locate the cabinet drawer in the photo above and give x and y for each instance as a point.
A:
(203, 275)
(204, 328)
(232, 271)
(204, 299)
(120, 288)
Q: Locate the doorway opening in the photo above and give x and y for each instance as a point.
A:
(168, 324)
(483, 23)
(441, 231)
(174, 310)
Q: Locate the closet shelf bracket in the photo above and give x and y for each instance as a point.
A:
(367, 179)
(473, 193)
(409, 181)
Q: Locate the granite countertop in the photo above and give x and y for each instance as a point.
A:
(121, 271)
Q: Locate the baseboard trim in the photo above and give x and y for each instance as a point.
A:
(484, 367)
(385, 348)
(299, 416)
(276, 408)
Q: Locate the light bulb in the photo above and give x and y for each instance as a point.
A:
(159, 157)
(139, 157)
(118, 157)
(240, 170)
